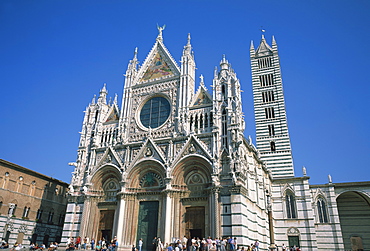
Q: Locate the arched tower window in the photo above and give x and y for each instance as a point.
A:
(223, 93)
(224, 128)
(273, 146)
(290, 205)
(322, 211)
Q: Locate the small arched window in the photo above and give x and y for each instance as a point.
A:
(273, 146)
(290, 205)
(321, 211)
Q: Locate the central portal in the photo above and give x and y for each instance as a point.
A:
(195, 219)
(106, 224)
(147, 223)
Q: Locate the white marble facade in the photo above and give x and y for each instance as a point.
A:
(172, 160)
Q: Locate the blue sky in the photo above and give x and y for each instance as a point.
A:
(55, 55)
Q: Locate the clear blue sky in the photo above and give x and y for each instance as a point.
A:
(55, 55)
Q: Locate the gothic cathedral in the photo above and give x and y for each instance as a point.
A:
(172, 160)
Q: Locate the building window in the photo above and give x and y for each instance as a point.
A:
(26, 211)
(266, 80)
(224, 128)
(12, 209)
(50, 217)
(290, 206)
(268, 96)
(39, 214)
(264, 62)
(61, 219)
(271, 130)
(273, 147)
(321, 210)
(223, 93)
(269, 113)
(155, 112)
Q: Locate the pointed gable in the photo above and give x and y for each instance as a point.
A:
(113, 115)
(263, 48)
(202, 97)
(193, 147)
(158, 65)
(149, 151)
(110, 157)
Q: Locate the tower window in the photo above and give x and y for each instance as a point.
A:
(268, 96)
(264, 62)
(224, 128)
(269, 113)
(266, 80)
(223, 93)
(273, 147)
(321, 211)
(271, 130)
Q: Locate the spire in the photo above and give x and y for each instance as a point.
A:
(274, 45)
(103, 95)
(252, 46)
(224, 63)
(132, 65)
(160, 30)
(135, 54)
(93, 100)
(187, 47)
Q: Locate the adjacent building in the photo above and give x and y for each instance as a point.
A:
(32, 206)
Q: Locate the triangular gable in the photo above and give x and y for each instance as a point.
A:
(264, 48)
(113, 115)
(287, 187)
(149, 151)
(202, 97)
(192, 146)
(110, 157)
(159, 64)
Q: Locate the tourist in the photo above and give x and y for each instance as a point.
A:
(140, 244)
(92, 243)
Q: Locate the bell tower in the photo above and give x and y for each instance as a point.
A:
(272, 134)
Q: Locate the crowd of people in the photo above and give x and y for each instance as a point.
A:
(185, 244)
(101, 245)
(206, 244)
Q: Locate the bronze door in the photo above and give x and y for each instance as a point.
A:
(147, 223)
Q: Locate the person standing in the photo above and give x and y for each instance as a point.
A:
(154, 243)
(92, 243)
(140, 244)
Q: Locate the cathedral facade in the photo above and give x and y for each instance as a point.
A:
(172, 160)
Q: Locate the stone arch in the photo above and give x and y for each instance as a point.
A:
(105, 175)
(192, 173)
(146, 174)
(354, 215)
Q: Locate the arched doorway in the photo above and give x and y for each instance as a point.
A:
(354, 215)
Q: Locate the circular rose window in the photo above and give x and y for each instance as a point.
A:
(155, 112)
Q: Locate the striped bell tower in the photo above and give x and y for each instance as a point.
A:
(273, 141)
